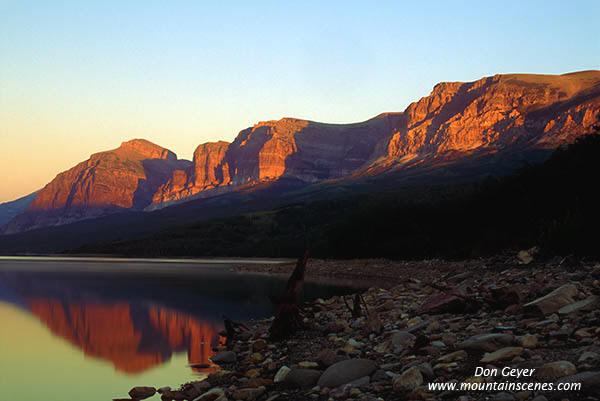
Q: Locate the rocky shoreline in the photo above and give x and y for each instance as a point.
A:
(510, 318)
(382, 273)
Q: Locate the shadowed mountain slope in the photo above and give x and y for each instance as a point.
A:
(8, 210)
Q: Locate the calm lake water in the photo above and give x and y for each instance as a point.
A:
(90, 329)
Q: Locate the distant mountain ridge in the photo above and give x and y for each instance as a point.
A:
(8, 210)
(288, 148)
(517, 111)
(499, 112)
(509, 114)
(120, 179)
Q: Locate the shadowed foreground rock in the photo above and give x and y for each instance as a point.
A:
(346, 371)
(552, 302)
(333, 357)
(141, 393)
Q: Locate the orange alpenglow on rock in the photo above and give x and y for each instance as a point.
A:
(208, 171)
(107, 179)
(118, 179)
(544, 111)
(502, 114)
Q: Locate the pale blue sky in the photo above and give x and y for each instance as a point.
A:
(79, 77)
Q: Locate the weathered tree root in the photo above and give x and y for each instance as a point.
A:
(287, 318)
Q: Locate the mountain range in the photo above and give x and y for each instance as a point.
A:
(459, 132)
(9, 210)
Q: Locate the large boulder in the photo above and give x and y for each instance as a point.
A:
(590, 381)
(443, 303)
(487, 342)
(224, 357)
(327, 357)
(555, 370)
(215, 394)
(583, 305)
(409, 380)
(550, 303)
(346, 371)
(402, 341)
(302, 378)
(528, 341)
(502, 354)
(281, 374)
(142, 392)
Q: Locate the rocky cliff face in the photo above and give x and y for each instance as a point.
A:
(504, 113)
(208, 171)
(514, 112)
(290, 148)
(119, 178)
(305, 150)
(123, 178)
(517, 111)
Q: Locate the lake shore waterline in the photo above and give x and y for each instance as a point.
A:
(440, 325)
(383, 273)
(118, 322)
(116, 259)
(128, 265)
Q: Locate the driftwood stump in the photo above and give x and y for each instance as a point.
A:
(356, 311)
(287, 318)
(232, 329)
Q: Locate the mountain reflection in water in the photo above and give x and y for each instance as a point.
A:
(134, 338)
(143, 319)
